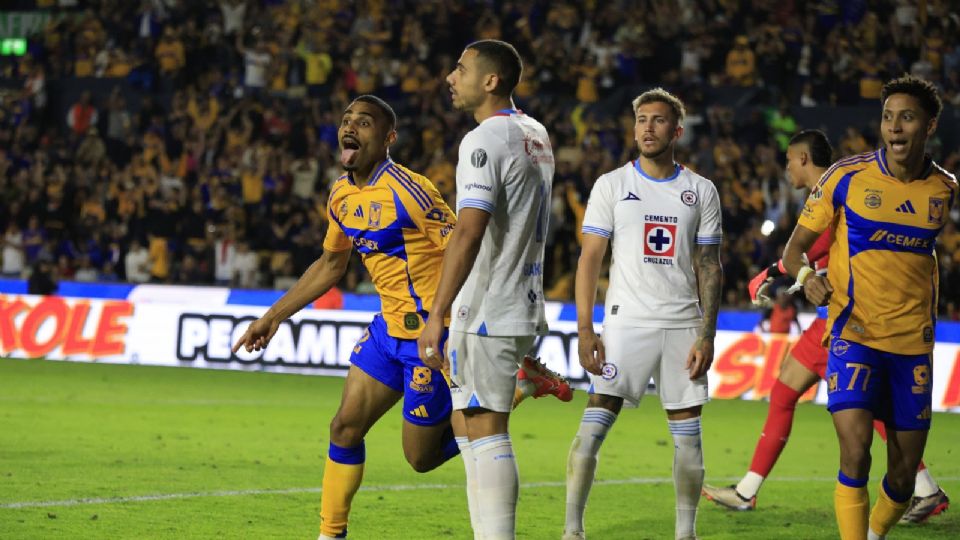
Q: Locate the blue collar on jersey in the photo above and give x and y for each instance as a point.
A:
(376, 174)
(885, 168)
(676, 172)
(507, 112)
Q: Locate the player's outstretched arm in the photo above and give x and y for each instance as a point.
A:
(590, 348)
(458, 261)
(322, 275)
(706, 263)
(816, 288)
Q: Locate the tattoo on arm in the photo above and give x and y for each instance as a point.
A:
(706, 262)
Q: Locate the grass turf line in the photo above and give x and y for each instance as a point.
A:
(73, 431)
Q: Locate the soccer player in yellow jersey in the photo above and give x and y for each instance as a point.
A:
(886, 208)
(400, 224)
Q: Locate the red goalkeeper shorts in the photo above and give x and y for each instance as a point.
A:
(808, 350)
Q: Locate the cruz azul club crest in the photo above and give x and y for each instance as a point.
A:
(659, 240)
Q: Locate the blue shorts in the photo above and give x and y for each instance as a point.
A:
(396, 363)
(896, 387)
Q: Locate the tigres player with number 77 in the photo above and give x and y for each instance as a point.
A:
(886, 210)
(660, 317)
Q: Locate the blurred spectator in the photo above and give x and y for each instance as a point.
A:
(741, 63)
(244, 267)
(137, 263)
(42, 279)
(82, 115)
(14, 257)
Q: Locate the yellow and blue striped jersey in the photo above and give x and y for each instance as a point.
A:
(400, 224)
(882, 265)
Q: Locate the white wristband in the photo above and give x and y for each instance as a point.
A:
(803, 274)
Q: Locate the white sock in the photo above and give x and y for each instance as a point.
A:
(470, 466)
(750, 484)
(926, 485)
(687, 473)
(582, 462)
(498, 486)
(874, 536)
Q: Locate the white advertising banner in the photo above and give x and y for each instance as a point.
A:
(320, 342)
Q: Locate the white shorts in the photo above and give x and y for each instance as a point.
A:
(634, 355)
(483, 369)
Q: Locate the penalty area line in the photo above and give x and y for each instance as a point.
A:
(371, 488)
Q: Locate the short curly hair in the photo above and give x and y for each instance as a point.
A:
(923, 90)
(661, 95)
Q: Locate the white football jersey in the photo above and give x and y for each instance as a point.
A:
(654, 224)
(506, 169)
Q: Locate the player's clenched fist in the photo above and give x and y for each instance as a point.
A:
(258, 334)
(592, 356)
(817, 290)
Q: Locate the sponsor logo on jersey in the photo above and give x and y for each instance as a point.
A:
(935, 213)
(532, 269)
(816, 194)
(839, 347)
(904, 240)
(928, 334)
(659, 243)
(608, 371)
(832, 382)
(538, 151)
(463, 313)
(688, 197)
(630, 197)
(614, 309)
(373, 221)
(366, 243)
(358, 212)
(478, 158)
(475, 185)
(342, 213)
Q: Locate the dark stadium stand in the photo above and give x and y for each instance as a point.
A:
(193, 142)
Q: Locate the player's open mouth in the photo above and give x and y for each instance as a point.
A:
(898, 145)
(348, 150)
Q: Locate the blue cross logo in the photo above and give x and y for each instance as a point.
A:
(659, 240)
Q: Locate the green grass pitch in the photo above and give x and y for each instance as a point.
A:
(106, 451)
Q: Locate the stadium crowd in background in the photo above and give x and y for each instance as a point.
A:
(215, 167)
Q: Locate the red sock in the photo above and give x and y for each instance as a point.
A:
(882, 431)
(783, 402)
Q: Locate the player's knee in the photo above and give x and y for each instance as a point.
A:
(344, 433)
(855, 460)
(611, 403)
(900, 483)
(420, 462)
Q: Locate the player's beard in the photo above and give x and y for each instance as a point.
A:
(656, 153)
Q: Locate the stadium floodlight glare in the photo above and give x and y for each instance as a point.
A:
(13, 47)
(767, 227)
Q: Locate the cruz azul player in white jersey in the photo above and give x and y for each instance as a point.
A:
(660, 316)
(494, 267)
